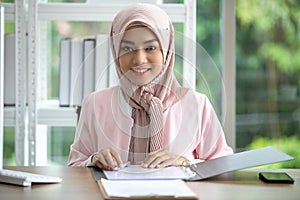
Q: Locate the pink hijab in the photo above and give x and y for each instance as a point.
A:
(148, 101)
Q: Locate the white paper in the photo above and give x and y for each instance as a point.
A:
(136, 172)
(147, 188)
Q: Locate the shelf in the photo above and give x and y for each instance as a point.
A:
(49, 113)
(9, 116)
(9, 11)
(97, 12)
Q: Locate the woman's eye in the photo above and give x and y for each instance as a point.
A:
(151, 48)
(127, 49)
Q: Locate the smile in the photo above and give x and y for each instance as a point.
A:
(140, 70)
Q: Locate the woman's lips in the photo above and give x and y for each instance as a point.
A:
(139, 71)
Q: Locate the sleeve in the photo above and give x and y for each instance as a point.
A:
(212, 141)
(81, 150)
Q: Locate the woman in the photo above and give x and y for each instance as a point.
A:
(149, 119)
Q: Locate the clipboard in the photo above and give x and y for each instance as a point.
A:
(171, 196)
(214, 167)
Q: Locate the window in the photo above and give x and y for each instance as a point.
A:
(267, 55)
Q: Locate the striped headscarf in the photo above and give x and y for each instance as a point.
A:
(148, 101)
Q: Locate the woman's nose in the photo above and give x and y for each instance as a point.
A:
(140, 57)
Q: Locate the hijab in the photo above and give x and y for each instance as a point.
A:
(148, 102)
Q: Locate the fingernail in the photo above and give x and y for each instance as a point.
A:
(116, 168)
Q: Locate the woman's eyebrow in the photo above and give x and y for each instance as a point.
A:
(127, 41)
(152, 40)
(145, 42)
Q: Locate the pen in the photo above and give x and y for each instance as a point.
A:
(123, 166)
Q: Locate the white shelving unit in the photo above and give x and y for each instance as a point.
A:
(9, 112)
(16, 116)
(1, 81)
(31, 119)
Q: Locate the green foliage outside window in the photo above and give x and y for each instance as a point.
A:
(289, 145)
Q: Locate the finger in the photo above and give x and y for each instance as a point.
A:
(183, 161)
(158, 162)
(171, 160)
(109, 158)
(151, 157)
(179, 161)
(155, 160)
(167, 162)
(99, 161)
(103, 159)
(117, 157)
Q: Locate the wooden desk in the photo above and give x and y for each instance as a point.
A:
(78, 183)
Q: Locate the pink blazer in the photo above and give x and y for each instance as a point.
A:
(191, 128)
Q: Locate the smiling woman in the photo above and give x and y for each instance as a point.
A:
(149, 119)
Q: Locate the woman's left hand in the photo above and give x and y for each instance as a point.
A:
(162, 158)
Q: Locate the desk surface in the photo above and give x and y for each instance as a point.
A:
(78, 183)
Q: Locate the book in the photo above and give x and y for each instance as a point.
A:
(64, 72)
(9, 70)
(113, 78)
(76, 71)
(88, 66)
(145, 189)
(102, 53)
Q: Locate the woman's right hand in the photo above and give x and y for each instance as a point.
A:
(107, 159)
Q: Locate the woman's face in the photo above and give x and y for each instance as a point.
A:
(140, 56)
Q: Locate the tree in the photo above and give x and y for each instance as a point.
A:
(268, 40)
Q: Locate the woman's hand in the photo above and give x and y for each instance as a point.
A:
(162, 158)
(107, 159)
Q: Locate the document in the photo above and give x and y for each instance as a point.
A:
(136, 172)
(144, 189)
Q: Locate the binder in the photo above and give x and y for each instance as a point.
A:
(238, 161)
(201, 170)
(113, 78)
(76, 66)
(64, 72)
(101, 61)
(88, 66)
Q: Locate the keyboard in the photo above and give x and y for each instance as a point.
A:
(25, 178)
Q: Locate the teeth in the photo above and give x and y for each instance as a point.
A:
(139, 70)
